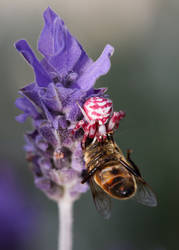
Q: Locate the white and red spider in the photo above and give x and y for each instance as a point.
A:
(99, 118)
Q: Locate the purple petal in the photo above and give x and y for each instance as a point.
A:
(100, 67)
(49, 68)
(72, 112)
(50, 98)
(25, 105)
(42, 78)
(58, 46)
(36, 168)
(29, 148)
(61, 121)
(29, 137)
(78, 188)
(66, 137)
(21, 118)
(70, 98)
(83, 63)
(63, 176)
(48, 114)
(97, 92)
(40, 143)
(47, 44)
(30, 141)
(77, 158)
(48, 186)
(45, 166)
(31, 91)
(49, 134)
(65, 94)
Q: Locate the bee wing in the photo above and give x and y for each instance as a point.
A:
(144, 193)
(102, 200)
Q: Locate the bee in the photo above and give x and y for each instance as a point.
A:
(110, 174)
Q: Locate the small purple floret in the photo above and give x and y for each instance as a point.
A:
(64, 77)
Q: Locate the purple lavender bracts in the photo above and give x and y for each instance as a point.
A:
(64, 77)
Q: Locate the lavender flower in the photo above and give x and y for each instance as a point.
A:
(64, 77)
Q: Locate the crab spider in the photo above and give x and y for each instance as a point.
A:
(99, 118)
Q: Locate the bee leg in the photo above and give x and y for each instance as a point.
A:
(128, 167)
(84, 174)
(129, 151)
(89, 174)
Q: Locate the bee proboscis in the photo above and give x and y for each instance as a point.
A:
(110, 174)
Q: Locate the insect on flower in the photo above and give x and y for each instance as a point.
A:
(99, 119)
(64, 76)
(109, 173)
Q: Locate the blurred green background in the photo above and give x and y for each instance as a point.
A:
(143, 81)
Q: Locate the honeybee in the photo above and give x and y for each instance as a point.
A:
(110, 174)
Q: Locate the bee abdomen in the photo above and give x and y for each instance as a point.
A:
(120, 187)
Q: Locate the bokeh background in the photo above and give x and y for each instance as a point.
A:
(143, 81)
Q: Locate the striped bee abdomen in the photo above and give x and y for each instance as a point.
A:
(116, 181)
(103, 161)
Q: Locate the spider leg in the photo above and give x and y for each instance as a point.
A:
(101, 132)
(114, 121)
(80, 124)
(92, 129)
(86, 133)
